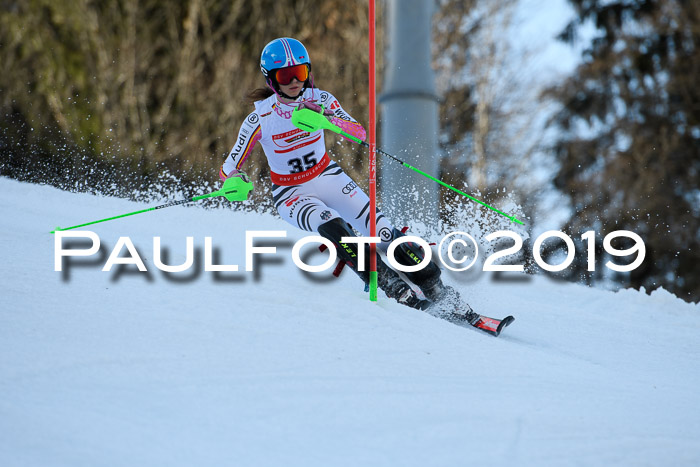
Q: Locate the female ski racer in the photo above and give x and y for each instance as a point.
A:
(311, 191)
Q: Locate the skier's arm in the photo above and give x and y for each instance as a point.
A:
(248, 135)
(342, 118)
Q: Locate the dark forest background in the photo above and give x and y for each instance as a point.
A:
(139, 98)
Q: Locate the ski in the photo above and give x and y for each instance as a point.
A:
(483, 323)
(491, 325)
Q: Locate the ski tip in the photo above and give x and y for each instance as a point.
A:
(503, 324)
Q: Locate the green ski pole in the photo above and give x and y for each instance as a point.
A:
(233, 189)
(307, 119)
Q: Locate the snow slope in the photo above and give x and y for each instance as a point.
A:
(128, 368)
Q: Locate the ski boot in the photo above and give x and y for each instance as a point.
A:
(391, 283)
(450, 305)
(446, 301)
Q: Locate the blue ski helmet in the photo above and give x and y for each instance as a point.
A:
(281, 53)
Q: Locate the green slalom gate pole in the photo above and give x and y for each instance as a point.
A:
(233, 189)
(307, 119)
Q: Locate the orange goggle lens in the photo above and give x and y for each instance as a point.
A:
(285, 76)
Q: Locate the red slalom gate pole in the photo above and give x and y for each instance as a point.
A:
(372, 159)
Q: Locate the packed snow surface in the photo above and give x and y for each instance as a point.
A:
(272, 367)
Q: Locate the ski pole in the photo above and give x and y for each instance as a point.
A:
(233, 189)
(307, 119)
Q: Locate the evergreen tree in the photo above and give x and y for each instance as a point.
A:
(629, 150)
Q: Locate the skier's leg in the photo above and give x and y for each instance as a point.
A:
(345, 197)
(300, 206)
(327, 197)
(427, 278)
(387, 279)
(341, 193)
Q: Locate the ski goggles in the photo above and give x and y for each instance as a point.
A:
(285, 76)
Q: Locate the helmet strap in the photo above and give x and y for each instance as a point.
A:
(311, 76)
(275, 88)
